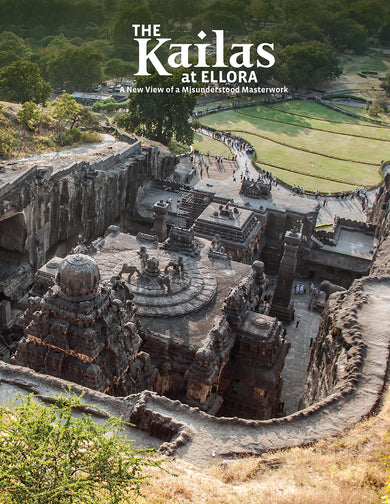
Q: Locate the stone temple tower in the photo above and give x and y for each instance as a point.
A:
(83, 332)
(282, 306)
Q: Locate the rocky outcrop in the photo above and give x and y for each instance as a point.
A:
(380, 216)
(48, 206)
(337, 352)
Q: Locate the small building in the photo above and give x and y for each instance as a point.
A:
(343, 254)
(238, 229)
(89, 98)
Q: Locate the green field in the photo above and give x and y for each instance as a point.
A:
(226, 102)
(373, 62)
(363, 112)
(307, 144)
(205, 144)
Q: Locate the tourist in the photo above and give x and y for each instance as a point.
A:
(298, 320)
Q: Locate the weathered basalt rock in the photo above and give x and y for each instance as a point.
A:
(80, 200)
(338, 349)
(380, 215)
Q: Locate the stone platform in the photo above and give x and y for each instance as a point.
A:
(195, 302)
(189, 291)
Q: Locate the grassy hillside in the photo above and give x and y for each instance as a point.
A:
(347, 469)
(18, 140)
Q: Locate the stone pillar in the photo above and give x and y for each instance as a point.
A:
(160, 220)
(282, 305)
(5, 314)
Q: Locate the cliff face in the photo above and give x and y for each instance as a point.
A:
(339, 336)
(338, 350)
(47, 207)
(381, 217)
(81, 200)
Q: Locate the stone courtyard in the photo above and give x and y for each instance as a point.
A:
(193, 313)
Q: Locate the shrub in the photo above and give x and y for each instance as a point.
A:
(75, 133)
(47, 456)
(67, 139)
(7, 142)
(90, 137)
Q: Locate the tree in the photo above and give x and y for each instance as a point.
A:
(309, 62)
(7, 136)
(118, 68)
(7, 142)
(369, 13)
(29, 115)
(21, 81)
(217, 20)
(47, 456)
(299, 11)
(262, 11)
(344, 33)
(160, 116)
(9, 42)
(67, 111)
(121, 29)
(384, 33)
(374, 110)
(76, 68)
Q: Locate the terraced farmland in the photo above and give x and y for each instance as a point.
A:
(307, 144)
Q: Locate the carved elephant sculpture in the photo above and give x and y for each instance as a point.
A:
(329, 288)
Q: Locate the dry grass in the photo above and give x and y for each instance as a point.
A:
(43, 139)
(344, 469)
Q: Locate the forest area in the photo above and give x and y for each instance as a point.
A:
(78, 44)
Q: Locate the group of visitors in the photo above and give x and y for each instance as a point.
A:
(297, 189)
(299, 289)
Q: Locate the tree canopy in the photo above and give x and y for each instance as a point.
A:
(21, 81)
(79, 43)
(76, 68)
(29, 115)
(50, 456)
(386, 84)
(160, 115)
(67, 111)
(309, 62)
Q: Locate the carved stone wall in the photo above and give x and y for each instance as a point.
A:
(80, 200)
(339, 338)
(380, 215)
(84, 332)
